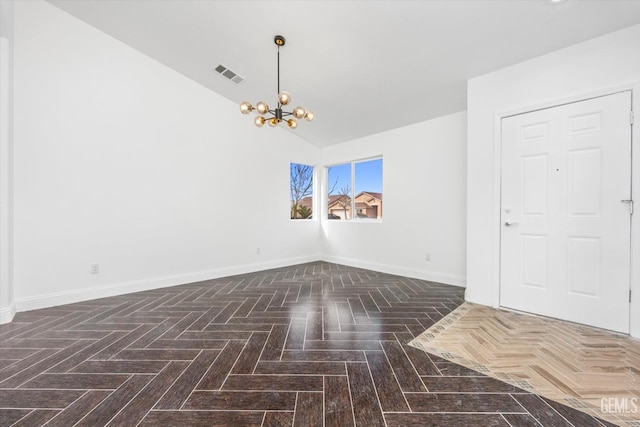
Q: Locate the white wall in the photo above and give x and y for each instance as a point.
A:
(121, 161)
(423, 203)
(594, 67)
(7, 305)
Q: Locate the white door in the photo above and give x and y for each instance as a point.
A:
(566, 219)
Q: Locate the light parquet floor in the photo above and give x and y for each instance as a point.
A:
(316, 344)
(589, 369)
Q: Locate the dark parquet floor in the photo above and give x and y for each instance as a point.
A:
(317, 344)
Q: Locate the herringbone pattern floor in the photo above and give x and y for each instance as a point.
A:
(316, 344)
(587, 368)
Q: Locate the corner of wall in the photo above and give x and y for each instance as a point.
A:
(7, 305)
(7, 313)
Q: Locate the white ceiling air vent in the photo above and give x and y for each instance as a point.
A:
(234, 77)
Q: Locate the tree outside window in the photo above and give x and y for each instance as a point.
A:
(301, 190)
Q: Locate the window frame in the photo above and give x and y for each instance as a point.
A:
(352, 183)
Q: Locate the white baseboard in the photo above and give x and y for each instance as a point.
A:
(77, 295)
(7, 313)
(431, 276)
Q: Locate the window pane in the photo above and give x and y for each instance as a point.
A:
(301, 187)
(362, 202)
(368, 190)
(339, 199)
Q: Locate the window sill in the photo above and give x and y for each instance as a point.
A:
(357, 221)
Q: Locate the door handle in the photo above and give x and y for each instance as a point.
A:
(630, 202)
(509, 224)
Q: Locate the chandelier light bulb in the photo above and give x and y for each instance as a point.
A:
(259, 121)
(284, 97)
(309, 115)
(273, 122)
(245, 107)
(292, 123)
(299, 112)
(262, 107)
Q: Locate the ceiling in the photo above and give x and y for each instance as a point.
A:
(363, 67)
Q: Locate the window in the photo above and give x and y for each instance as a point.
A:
(301, 186)
(355, 187)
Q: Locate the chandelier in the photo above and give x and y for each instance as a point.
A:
(277, 115)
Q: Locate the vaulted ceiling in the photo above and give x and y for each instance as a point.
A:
(363, 66)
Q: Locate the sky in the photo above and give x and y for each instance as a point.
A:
(368, 176)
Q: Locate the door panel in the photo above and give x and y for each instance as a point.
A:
(565, 237)
(534, 185)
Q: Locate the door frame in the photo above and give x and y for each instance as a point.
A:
(634, 88)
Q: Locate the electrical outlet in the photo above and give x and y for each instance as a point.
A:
(95, 268)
